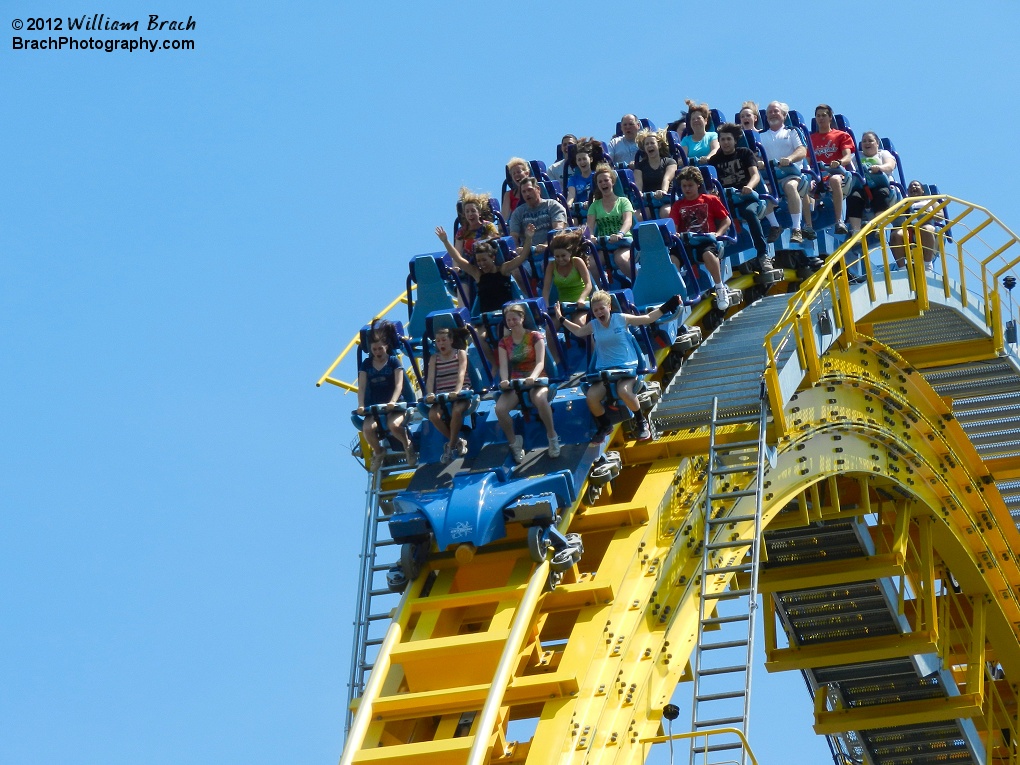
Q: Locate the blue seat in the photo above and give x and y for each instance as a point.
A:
(657, 277)
(478, 372)
(888, 146)
(431, 273)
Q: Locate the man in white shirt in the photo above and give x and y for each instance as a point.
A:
(785, 149)
(623, 147)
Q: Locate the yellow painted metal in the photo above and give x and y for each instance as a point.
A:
(707, 736)
(600, 656)
(352, 387)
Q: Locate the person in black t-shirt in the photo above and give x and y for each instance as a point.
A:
(737, 169)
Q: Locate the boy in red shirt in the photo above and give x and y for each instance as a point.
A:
(834, 151)
(704, 217)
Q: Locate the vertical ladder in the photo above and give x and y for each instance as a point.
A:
(730, 553)
(375, 601)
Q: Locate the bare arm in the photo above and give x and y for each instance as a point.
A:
(430, 378)
(667, 178)
(713, 147)
(362, 384)
(464, 265)
(753, 180)
(462, 362)
(548, 282)
(398, 384)
(640, 319)
(504, 365)
(628, 222)
(577, 330)
(582, 269)
(539, 358)
(523, 250)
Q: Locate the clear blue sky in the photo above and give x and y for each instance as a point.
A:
(188, 238)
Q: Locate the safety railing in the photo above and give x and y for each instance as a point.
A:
(702, 747)
(973, 249)
(327, 376)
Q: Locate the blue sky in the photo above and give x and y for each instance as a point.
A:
(188, 238)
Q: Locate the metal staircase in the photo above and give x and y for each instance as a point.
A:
(729, 583)
(727, 366)
(375, 601)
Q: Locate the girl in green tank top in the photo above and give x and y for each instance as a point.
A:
(567, 270)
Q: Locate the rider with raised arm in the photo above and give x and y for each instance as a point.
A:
(616, 349)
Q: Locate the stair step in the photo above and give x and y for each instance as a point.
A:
(750, 467)
(730, 545)
(743, 568)
(740, 493)
(726, 594)
(725, 619)
(735, 446)
(722, 696)
(726, 644)
(719, 722)
(705, 671)
(720, 747)
(731, 519)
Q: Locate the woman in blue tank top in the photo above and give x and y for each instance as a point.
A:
(615, 348)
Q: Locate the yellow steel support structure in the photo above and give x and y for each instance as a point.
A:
(481, 665)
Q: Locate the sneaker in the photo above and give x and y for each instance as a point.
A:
(808, 233)
(517, 449)
(841, 228)
(461, 449)
(774, 233)
(554, 447)
(445, 459)
(644, 430)
(764, 263)
(796, 236)
(761, 209)
(605, 427)
(722, 298)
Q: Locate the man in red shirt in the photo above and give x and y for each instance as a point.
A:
(834, 151)
(704, 217)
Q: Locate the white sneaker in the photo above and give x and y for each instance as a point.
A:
(722, 298)
(554, 447)
(461, 449)
(517, 449)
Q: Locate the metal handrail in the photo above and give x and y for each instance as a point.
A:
(706, 733)
(796, 323)
(354, 343)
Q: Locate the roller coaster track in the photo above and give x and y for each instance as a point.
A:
(890, 574)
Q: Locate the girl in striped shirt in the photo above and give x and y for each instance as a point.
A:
(447, 373)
